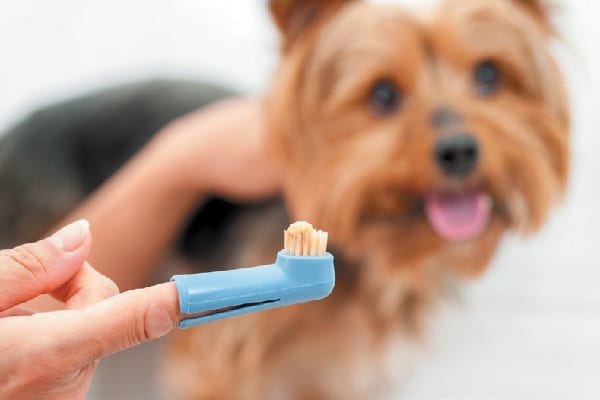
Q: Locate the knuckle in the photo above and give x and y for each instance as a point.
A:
(107, 288)
(142, 332)
(27, 259)
(136, 332)
(153, 322)
(134, 329)
(157, 321)
(143, 319)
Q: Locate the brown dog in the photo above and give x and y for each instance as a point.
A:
(416, 141)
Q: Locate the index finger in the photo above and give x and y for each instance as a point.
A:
(41, 267)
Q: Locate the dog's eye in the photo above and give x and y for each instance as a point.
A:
(385, 98)
(487, 78)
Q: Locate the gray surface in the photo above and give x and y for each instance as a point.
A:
(129, 375)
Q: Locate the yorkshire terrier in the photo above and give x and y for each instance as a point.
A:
(416, 141)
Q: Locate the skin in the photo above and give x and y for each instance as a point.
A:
(60, 363)
(145, 203)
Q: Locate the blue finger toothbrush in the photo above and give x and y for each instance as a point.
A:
(303, 271)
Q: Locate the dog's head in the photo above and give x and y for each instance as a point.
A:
(419, 137)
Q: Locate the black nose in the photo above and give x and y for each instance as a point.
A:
(457, 155)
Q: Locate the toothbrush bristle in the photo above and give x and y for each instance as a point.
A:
(301, 239)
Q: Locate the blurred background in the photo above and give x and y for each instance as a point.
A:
(530, 328)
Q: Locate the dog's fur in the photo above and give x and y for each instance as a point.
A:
(353, 171)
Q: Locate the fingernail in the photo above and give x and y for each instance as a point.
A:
(71, 236)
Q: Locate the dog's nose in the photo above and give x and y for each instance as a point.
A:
(457, 155)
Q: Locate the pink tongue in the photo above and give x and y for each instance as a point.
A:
(458, 216)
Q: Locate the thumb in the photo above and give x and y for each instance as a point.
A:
(36, 268)
(123, 321)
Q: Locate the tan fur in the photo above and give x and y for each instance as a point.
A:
(347, 171)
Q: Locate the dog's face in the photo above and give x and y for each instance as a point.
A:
(415, 139)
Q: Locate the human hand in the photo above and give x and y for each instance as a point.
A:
(220, 149)
(53, 355)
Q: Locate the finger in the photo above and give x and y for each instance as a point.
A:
(16, 312)
(32, 269)
(115, 324)
(85, 288)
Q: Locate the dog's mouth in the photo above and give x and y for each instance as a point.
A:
(460, 215)
(455, 214)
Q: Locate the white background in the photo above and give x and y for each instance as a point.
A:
(529, 329)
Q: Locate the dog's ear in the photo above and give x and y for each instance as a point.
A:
(294, 17)
(542, 11)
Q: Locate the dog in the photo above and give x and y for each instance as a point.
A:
(417, 140)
